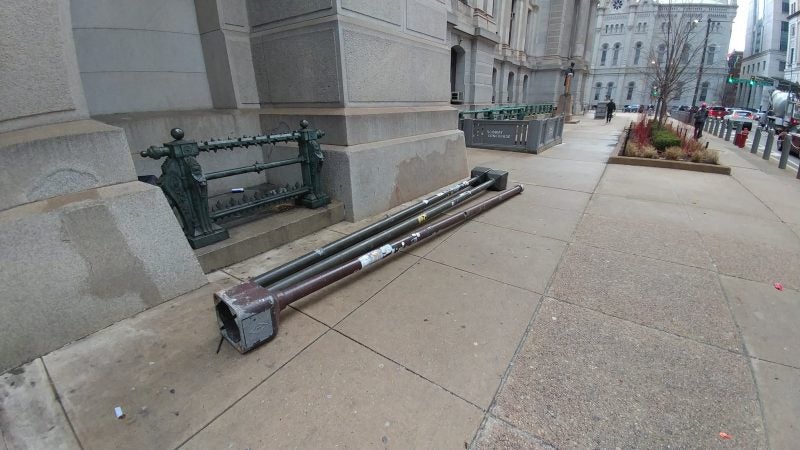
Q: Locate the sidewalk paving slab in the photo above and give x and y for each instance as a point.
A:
(768, 319)
(622, 208)
(642, 183)
(337, 393)
(780, 194)
(679, 299)
(497, 434)
(586, 380)
(524, 213)
(162, 368)
(755, 261)
(512, 257)
(663, 241)
(30, 415)
(779, 389)
(558, 173)
(451, 327)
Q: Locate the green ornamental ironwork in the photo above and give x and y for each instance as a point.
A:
(185, 185)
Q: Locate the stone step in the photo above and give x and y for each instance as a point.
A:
(258, 236)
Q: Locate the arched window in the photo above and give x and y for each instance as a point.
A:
(609, 89)
(457, 74)
(710, 55)
(685, 53)
(525, 89)
(597, 87)
(662, 49)
(615, 55)
(494, 84)
(603, 53)
(703, 91)
(510, 87)
(631, 85)
(637, 52)
(606, 29)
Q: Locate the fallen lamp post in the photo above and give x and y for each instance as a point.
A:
(248, 314)
(479, 175)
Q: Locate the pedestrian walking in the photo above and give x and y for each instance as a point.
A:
(610, 110)
(700, 120)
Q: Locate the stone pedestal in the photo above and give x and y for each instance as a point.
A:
(82, 245)
(375, 77)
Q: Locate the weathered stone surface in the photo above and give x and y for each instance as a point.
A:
(30, 414)
(449, 335)
(684, 300)
(58, 159)
(354, 397)
(370, 178)
(584, 379)
(39, 79)
(80, 262)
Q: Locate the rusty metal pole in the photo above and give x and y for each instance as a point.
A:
(495, 180)
(478, 176)
(248, 314)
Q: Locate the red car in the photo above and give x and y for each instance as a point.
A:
(717, 111)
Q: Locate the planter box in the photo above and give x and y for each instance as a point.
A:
(669, 164)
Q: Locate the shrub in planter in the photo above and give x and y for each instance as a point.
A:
(663, 139)
(673, 153)
(649, 152)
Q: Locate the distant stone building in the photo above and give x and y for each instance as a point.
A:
(765, 51)
(518, 51)
(629, 39)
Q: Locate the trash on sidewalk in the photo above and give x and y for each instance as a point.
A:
(118, 412)
(724, 436)
(779, 286)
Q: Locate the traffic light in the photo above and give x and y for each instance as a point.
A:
(752, 81)
(730, 78)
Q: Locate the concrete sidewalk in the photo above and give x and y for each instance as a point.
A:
(604, 307)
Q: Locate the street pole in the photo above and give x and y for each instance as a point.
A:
(702, 61)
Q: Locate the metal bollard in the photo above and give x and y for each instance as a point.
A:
(768, 144)
(728, 129)
(707, 126)
(756, 141)
(787, 144)
(720, 128)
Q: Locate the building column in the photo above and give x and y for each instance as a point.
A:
(70, 199)
(389, 138)
(582, 25)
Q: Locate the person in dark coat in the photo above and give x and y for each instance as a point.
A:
(700, 120)
(610, 108)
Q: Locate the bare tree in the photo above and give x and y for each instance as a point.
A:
(673, 54)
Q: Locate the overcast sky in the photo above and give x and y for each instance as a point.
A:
(739, 26)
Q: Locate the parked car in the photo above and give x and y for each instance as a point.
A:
(717, 111)
(794, 132)
(746, 118)
(631, 108)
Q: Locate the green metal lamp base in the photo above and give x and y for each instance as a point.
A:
(313, 202)
(217, 234)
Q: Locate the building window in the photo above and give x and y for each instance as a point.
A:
(637, 52)
(703, 91)
(606, 29)
(710, 55)
(785, 6)
(784, 35)
(603, 54)
(685, 53)
(597, 88)
(609, 89)
(791, 56)
(793, 8)
(791, 31)
(510, 87)
(629, 96)
(781, 66)
(615, 57)
(662, 49)
(678, 91)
